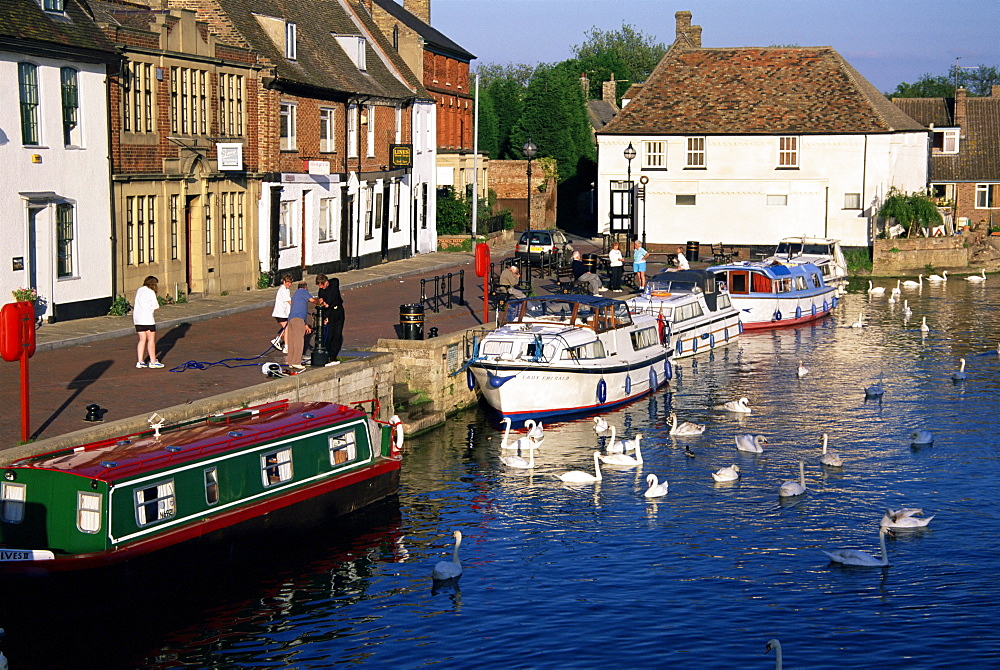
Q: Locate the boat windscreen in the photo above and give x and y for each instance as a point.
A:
(665, 285)
(788, 249)
(818, 250)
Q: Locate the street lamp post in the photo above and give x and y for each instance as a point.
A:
(643, 180)
(529, 150)
(629, 155)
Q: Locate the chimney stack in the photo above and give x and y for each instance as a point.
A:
(685, 34)
(960, 109)
(995, 91)
(585, 84)
(419, 8)
(609, 91)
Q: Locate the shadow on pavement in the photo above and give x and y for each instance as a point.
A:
(91, 374)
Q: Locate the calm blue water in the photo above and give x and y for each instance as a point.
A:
(588, 576)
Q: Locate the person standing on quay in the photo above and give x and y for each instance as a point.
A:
(297, 328)
(330, 298)
(615, 266)
(282, 305)
(639, 264)
(143, 306)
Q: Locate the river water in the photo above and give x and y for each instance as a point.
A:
(559, 576)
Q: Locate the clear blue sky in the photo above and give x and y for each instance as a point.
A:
(888, 41)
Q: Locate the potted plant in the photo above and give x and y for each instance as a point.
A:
(25, 294)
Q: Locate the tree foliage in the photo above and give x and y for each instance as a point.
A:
(637, 51)
(978, 81)
(519, 73)
(507, 96)
(599, 68)
(489, 127)
(909, 209)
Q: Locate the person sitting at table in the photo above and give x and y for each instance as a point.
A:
(581, 273)
(509, 279)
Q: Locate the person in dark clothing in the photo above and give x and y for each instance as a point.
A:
(329, 298)
(581, 273)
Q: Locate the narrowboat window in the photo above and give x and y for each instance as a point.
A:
(12, 502)
(800, 283)
(644, 338)
(497, 347)
(815, 280)
(593, 349)
(88, 512)
(343, 448)
(738, 282)
(211, 485)
(276, 467)
(155, 503)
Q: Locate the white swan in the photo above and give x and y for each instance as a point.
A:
(519, 461)
(730, 474)
(910, 282)
(875, 290)
(521, 444)
(581, 477)
(536, 432)
(625, 459)
(959, 375)
(857, 557)
(655, 489)
(906, 308)
(802, 370)
(981, 277)
(600, 425)
(620, 446)
(750, 443)
(924, 328)
(860, 323)
(830, 458)
(907, 518)
(793, 488)
(939, 277)
(686, 428)
(874, 391)
(774, 644)
(741, 405)
(450, 569)
(921, 437)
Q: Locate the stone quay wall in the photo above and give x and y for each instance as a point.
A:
(902, 256)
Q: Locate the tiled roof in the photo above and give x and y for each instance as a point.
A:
(25, 28)
(600, 112)
(320, 62)
(758, 90)
(978, 157)
(926, 111)
(433, 38)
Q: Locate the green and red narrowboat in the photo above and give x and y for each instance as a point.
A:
(110, 501)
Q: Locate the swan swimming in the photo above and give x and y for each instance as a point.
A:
(907, 518)
(450, 569)
(793, 488)
(741, 405)
(621, 446)
(600, 425)
(959, 375)
(655, 489)
(906, 308)
(910, 282)
(521, 444)
(923, 326)
(536, 432)
(581, 477)
(860, 323)
(774, 644)
(830, 458)
(686, 428)
(518, 461)
(875, 290)
(857, 557)
(750, 443)
(802, 370)
(981, 277)
(625, 459)
(729, 474)
(921, 437)
(939, 277)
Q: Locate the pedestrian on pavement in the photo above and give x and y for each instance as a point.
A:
(639, 256)
(143, 306)
(297, 328)
(682, 261)
(282, 305)
(509, 279)
(616, 265)
(333, 323)
(581, 273)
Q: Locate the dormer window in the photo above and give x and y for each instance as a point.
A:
(354, 47)
(53, 5)
(290, 46)
(945, 141)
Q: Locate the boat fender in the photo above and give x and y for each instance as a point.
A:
(825, 307)
(397, 436)
(725, 333)
(694, 345)
(668, 370)
(777, 315)
(711, 340)
(602, 391)
(741, 327)
(798, 312)
(680, 346)
(628, 384)
(470, 379)
(814, 309)
(654, 383)
(834, 301)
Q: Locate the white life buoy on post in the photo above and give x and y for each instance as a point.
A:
(397, 436)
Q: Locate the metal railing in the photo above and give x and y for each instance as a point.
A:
(444, 291)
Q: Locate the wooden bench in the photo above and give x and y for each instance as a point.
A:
(566, 282)
(723, 254)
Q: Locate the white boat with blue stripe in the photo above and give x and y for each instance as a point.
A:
(563, 355)
(696, 312)
(772, 295)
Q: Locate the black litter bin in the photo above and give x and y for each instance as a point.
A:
(692, 252)
(590, 262)
(411, 322)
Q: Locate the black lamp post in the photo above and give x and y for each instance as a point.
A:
(629, 155)
(643, 180)
(529, 150)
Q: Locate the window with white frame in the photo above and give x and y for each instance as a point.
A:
(208, 224)
(231, 105)
(65, 233)
(27, 80)
(945, 141)
(399, 124)
(327, 220)
(695, 152)
(371, 131)
(276, 467)
(286, 224)
(88, 511)
(395, 213)
(788, 152)
(343, 448)
(189, 101)
(291, 48)
(852, 201)
(70, 107)
(327, 143)
(986, 195)
(775, 200)
(140, 229)
(137, 98)
(352, 131)
(174, 226)
(654, 154)
(12, 497)
(286, 126)
(211, 485)
(223, 217)
(368, 204)
(155, 503)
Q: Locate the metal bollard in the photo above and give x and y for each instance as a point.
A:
(320, 356)
(411, 322)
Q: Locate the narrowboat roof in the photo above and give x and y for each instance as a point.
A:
(128, 456)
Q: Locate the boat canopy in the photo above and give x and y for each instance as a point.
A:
(669, 282)
(594, 312)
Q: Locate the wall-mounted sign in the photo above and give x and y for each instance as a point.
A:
(400, 156)
(18, 263)
(318, 167)
(229, 155)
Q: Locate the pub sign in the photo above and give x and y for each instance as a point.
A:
(400, 156)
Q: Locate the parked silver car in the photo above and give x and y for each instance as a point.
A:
(549, 246)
